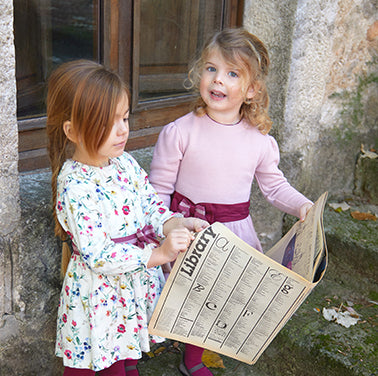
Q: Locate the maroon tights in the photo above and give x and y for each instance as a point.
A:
(193, 357)
(116, 369)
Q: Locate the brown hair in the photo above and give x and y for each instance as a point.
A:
(87, 94)
(247, 52)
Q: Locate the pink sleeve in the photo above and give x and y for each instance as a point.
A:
(274, 186)
(166, 162)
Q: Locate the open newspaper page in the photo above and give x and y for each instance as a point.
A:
(226, 296)
(302, 248)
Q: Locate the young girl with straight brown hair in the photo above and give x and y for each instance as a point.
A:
(106, 207)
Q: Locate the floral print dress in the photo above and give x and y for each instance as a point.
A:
(108, 294)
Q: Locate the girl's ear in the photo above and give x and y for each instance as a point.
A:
(251, 92)
(70, 132)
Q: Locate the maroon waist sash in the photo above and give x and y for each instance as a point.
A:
(209, 212)
(143, 236)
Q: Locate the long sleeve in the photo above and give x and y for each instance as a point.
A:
(208, 162)
(274, 186)
(166, 162)
(97, 205)
(85, 222)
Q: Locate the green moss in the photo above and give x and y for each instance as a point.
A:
(373, 295)
(353, 105)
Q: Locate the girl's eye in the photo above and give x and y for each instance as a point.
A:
(210, 69)
(233, 74)
(125, 120)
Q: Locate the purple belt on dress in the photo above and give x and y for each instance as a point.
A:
(209, 212)
(140, 238)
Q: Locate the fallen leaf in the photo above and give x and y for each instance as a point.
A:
(352, 312)
(151, 354)
(369, 154)
(212, 359)
(363, 216)
(372, 153)
(339, 207)
(159, 350)
(343, 318)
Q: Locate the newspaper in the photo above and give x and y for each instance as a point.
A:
(228, 297)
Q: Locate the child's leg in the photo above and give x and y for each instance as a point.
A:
(131, 369)
(193, 362)
(78, 372)
(116, 369)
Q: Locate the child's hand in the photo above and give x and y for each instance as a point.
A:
(190, 223)
(304, 210)
(195, 224)
(176, 241)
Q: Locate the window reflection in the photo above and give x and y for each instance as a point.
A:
(167, 38)
(47, 33)
(171, 33)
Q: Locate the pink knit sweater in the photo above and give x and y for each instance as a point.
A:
(211, 162)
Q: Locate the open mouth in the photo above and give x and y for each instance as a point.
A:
(217, 94)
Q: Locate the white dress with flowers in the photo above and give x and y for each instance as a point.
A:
(108, 294)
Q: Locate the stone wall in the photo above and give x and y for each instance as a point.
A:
(324, 125)
(273, 22)
(27, 336)
(323, 103)
(9, 187)
(323, 88)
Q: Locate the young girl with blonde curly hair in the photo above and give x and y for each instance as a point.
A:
(204, 163)
(106, 207)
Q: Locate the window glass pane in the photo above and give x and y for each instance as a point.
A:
(47, 33)
(171, 32)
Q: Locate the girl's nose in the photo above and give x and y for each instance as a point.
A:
(218, 80)
(122, 127)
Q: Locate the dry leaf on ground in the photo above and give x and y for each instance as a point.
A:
(212, 360)
(363, 216)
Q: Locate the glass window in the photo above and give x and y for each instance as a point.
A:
(47, 33)
(170, 34)
(150, 43)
